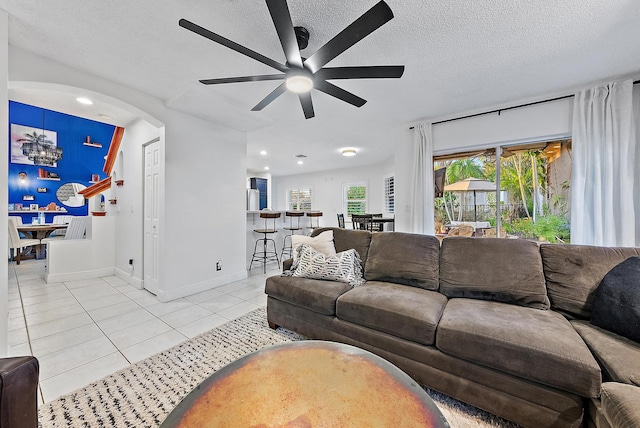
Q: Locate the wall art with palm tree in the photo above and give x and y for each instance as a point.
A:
(33, 146)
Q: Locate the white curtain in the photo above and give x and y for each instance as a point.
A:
(422, 187)
(605, 181)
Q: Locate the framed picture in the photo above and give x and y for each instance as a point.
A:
(33, 207)
(28, 198)
(11, 207)
(34, 137)
(17, 207)
(42, 190)
(95, 178)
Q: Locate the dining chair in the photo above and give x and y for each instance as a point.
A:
(76, 229)
(376, 227)
(16, 244)
(60, 219)
(361, 221)
(341, 221)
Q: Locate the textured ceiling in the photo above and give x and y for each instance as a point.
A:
(461, 56)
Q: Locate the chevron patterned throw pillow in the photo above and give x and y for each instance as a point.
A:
(343, 267)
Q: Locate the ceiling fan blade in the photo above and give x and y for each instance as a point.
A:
(231, 44)
(271, 97)
(334, 91)
(282, 21)
(366, 72)
(307, 105)
(373, 19)
(243, 79)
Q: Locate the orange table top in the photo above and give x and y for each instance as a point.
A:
(308, 384)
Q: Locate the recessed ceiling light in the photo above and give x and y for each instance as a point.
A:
(84, 100)
(349, 152)
(263, 152)
(105, 116)
(266, 168)
(300, 162)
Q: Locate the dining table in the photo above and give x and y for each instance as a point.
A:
(39, 231)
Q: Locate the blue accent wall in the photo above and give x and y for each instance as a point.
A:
(78, 161)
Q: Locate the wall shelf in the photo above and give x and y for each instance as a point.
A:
(38, 211)
(49, 179)
(97, 145)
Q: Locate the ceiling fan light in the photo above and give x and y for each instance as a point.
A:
(299, 83)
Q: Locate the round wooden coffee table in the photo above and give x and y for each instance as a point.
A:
(307, 384)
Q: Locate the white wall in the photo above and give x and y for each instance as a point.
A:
(129, 209)
(326, 189)
(204, 190)
(538, 122)
(4, 189)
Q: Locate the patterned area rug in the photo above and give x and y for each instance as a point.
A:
(143, 394)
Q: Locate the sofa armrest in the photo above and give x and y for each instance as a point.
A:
(19, 392)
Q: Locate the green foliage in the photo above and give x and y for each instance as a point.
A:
(552, 228)
(357, 192)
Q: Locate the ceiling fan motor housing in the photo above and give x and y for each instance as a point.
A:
(302, 35)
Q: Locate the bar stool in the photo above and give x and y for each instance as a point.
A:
(312, 215)
(265, 255)
(292, 230)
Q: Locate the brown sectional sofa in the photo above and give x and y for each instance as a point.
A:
(499, 324)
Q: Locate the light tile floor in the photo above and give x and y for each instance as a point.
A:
(81, 331)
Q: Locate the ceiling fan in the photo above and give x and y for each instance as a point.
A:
(300, 74)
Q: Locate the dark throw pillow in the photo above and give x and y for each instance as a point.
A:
(616, 301)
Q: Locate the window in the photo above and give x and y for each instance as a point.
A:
(299, 200)
(534, 191)
(355, 198)
(389, 193)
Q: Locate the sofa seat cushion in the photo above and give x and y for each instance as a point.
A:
(540, 346)
(468, 269)
(313, 294)
(618, 356)
(573, 272)
(404, 258)
(621, 404)
(407, 312)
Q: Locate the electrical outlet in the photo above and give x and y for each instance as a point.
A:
(131, 262)
(219, 265)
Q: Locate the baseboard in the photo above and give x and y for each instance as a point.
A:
(129, 279)
(74, 276)
(188, 290)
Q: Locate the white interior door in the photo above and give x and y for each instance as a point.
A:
(151, 216)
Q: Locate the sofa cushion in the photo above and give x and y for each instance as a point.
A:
(404, 258)
(346, 239)
(407, 312)
(621, 405)
(540, 346)
(322, 243)
(618, 356)
(344, 266)
(313, 294)
(573, 272)
(503, 270)
(616, 301)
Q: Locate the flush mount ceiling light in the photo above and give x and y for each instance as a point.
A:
(299, 83)
(263, 152)
(84, 100)
(349, 152)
